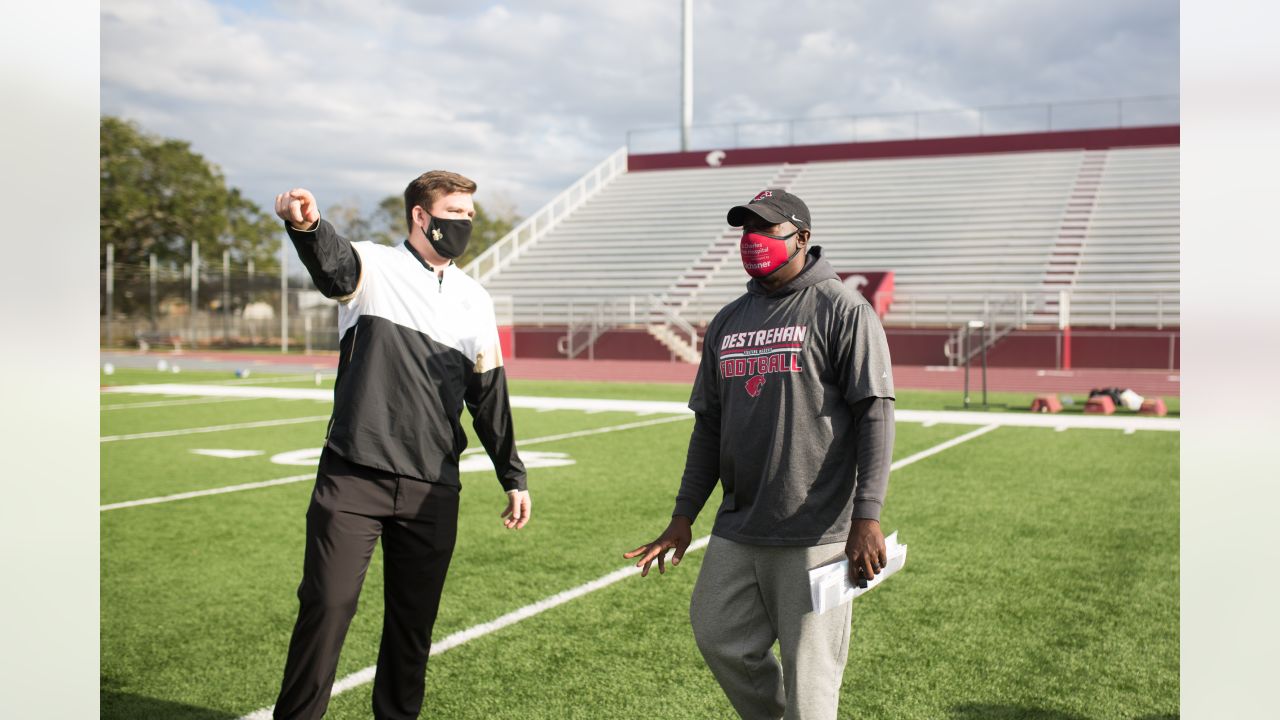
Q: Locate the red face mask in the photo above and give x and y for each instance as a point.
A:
(763, 254)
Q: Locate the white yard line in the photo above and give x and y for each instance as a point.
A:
(273, 379)
(646, 407)
(1044, 420)
(298, 478)
(235, 391)
(517, 401)
(592, 431)
(169, 403)
(212, 491)
(213, 428)
(942, 446)
(365, 676)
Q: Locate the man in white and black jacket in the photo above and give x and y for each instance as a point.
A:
(793, 408)
(419, 341)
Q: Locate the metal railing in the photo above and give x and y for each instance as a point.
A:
(950, 122)
(585, 330)
(1105, 307)
(673, 320)
(534, 227)
(585, 327)
(998, 322)
(1089, 307)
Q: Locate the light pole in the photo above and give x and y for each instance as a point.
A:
(686, 79)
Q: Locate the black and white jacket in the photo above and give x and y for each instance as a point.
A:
(415, 348)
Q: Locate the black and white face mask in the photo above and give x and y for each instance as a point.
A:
(448, 237)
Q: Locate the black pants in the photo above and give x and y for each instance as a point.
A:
(352, 507)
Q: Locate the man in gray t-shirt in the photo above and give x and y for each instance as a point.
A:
(793, 406)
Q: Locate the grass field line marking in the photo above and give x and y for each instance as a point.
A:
(531, 402)
(169, 403)
(297, 478)
(211, 491)
(1043, 420)
(214, 428)
(232, 391)
(592, 431)
(942, 446)
(272, 379)
(365, 676)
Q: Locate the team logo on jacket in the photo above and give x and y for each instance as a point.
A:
(754, 385)
(762, 352)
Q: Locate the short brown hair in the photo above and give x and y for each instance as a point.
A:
(431, 186)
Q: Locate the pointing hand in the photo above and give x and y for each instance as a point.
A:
(298, 208)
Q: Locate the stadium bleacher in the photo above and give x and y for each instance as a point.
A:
(965, 235)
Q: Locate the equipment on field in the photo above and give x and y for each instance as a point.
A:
(981, 327)
(1100, 405)
(1046, 404)
(1153, 406)
(1131, 400)
(1120, 398)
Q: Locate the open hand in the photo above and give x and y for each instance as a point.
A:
(519, 507)
(298, 208)
(678, 535)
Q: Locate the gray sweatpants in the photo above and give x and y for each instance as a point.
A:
(748, 596)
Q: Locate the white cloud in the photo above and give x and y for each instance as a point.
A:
(354, 98)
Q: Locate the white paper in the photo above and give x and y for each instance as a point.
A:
(829, 585)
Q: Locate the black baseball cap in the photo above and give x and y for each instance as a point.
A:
(774, 206)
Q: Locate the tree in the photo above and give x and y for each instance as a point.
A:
(347, 220)
(491, 223)
(157, 196)
(251, 234)
(387, 224)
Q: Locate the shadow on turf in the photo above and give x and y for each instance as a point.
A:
(974, 711)
(121, 706)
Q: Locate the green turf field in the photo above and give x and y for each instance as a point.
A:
(1042, 581)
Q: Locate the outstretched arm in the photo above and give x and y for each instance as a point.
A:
(329, 258)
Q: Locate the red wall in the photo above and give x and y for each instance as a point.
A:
(540, 342)
(1023, 142)
(1090, 348)
(1135, 348)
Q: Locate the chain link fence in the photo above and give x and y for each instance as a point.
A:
(168, 306)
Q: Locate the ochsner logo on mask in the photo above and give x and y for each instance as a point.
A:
(764, 254)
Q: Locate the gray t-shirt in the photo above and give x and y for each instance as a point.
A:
(786, 400)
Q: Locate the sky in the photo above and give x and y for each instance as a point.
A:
(352, 99)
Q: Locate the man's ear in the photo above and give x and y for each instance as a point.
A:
(803, 238)
(419, 216)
